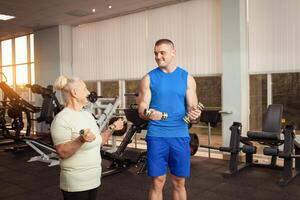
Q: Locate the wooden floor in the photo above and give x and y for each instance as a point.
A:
(36, 181)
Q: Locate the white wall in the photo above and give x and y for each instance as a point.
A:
(122, 47)
(65, 50)
(53, 54)
(47, 56)
(274, 36)
(235, 79)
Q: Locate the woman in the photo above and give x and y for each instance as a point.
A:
(77, 141)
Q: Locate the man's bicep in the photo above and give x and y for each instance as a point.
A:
(191, 94)
(144, 94)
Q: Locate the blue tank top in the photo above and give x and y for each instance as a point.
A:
(168, 94)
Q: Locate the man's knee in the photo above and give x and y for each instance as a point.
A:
(178, 182)
(158, 182)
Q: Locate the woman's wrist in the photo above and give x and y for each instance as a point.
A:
(112, 128)
(81, 135)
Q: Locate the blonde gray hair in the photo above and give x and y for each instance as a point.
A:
(65, 84)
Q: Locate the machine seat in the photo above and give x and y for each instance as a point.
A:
(263, 135)
(271, 129)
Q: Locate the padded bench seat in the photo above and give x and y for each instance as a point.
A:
(264, 135)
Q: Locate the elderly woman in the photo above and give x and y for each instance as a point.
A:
(79, 151)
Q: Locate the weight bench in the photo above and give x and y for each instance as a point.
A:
(270, 135)
(123, 158)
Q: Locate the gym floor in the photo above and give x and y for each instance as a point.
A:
(36, 181)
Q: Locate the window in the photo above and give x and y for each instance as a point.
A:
(209, 90)
(132, 86)
(31, 48)
(209, 94)
(21, 72)
(258, 100)
(286, 91)
(109, 89)
(21, 50)
(16, 63)
(32, 73)
(6, 51)
(91, 86)
(7, 75)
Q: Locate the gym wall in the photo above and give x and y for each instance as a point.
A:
(122, 47)
(274, 36)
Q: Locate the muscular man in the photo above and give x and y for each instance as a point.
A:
(167, 89)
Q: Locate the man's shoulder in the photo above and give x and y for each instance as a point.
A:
(182, 69)
(153, 70)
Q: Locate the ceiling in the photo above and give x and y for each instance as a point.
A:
(34, 15)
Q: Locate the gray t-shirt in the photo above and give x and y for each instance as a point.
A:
(81, 171)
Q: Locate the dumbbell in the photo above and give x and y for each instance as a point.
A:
(186, 119)
(82, 131)
(118, 132)
(92, 97)
(148, 113)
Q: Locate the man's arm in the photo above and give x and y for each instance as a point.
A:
(144, 97)
(144, 100)
(191, 98)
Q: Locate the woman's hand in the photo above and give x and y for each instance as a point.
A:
(119, 124)
(87, 135)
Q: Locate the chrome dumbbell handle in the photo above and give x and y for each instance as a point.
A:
(147, 113)
(186, 119)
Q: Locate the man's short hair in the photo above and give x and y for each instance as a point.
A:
(165, 41)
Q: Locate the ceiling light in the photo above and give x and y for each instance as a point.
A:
(79, 13)
(6, 17)
(93, 10)
(109, 6)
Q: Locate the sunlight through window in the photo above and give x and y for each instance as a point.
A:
(6, 52)
(31, 48)
(7, 75)
(21, 50)
(32, 74)
(17, 55)
(21, 74)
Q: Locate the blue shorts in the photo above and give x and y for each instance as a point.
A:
(164, 152)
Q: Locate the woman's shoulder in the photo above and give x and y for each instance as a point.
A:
(63, 115)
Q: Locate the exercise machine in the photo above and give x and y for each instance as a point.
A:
(50, 107)
(123, 157)
(270, 136)
(15, 107)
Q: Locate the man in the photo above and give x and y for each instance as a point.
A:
(167, 89)
(77, 140)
